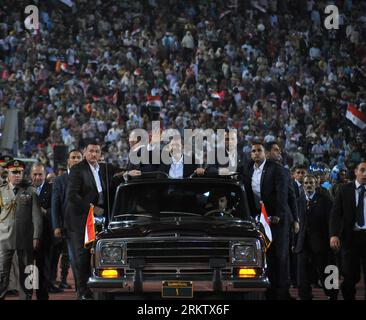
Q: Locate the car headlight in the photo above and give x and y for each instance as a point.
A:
(112, 253)
(243, 253)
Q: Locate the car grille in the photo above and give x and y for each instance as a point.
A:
(178, 252)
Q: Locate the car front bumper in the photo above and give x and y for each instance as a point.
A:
(154, 284)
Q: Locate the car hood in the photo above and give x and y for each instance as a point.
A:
(180, 226)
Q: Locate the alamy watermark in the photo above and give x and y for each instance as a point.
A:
(199, 146)
(31, 22)
(32, 280)
(331, 21)
(331, 282)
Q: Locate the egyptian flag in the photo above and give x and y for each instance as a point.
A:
(154, 101)
(265, 223)
(137, 72)
(292, 91)
(89, 228)
(115, 98)
(356, 116)
(218, 95)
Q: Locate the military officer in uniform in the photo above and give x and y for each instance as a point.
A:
(20, 228)
(3, 172)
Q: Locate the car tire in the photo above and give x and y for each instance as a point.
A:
(254, 295)
(102, 296)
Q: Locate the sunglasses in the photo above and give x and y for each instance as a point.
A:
(17, 171)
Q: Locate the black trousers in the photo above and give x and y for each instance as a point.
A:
(55, 255)
(65, 261)
(353, 257)
(278, 262)
(292, 260)
(60, 250)
(307, 261)
(82, 261)
(43, 263)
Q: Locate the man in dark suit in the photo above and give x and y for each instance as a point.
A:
(265, 181)
(43, 256)
(90, 183)
(348, 230)
(273, 152)
(298, 172)
(179, 166)
(312, 246)
(58, 208)
(231, 152)
(140, 157)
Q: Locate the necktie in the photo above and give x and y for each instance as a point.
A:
(15, 190)
(360, 207)
(308, 204)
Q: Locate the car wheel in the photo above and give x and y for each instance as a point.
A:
(102, 296)
(254, 295)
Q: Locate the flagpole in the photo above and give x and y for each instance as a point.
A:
(107, 187)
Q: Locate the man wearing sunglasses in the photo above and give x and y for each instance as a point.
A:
(20, 228)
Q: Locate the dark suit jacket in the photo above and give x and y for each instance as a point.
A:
(45, 198)
(274, 190)
(82, 190)
(188, 169)
(297, 189)
(343, 215)
(314, 224)
(59, 200)
(292, 200)
(213, 169)
(143, 167)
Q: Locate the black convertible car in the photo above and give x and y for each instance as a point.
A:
(179, 238)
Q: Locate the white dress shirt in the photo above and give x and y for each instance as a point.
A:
(95, 171)
(256, 179)
(39, 189)
(176, 168)
(309, 196)
(357, 192)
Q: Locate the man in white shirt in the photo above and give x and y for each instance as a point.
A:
(265, 181)
(88, 185)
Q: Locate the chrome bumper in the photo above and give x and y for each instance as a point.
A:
(126, 284)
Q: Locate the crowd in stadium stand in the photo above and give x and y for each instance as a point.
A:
(267, 68)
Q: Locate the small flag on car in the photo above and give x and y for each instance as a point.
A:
(265, 223)
(89, 228)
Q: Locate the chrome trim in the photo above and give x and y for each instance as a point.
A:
(109, 243)
(148, 240)
(257, 252)
(127, 286)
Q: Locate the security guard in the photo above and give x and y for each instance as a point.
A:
(20, 229)
(3, 173)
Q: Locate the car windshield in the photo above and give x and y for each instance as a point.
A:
(171, 199)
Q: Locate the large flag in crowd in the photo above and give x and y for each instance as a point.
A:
(356, 116)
